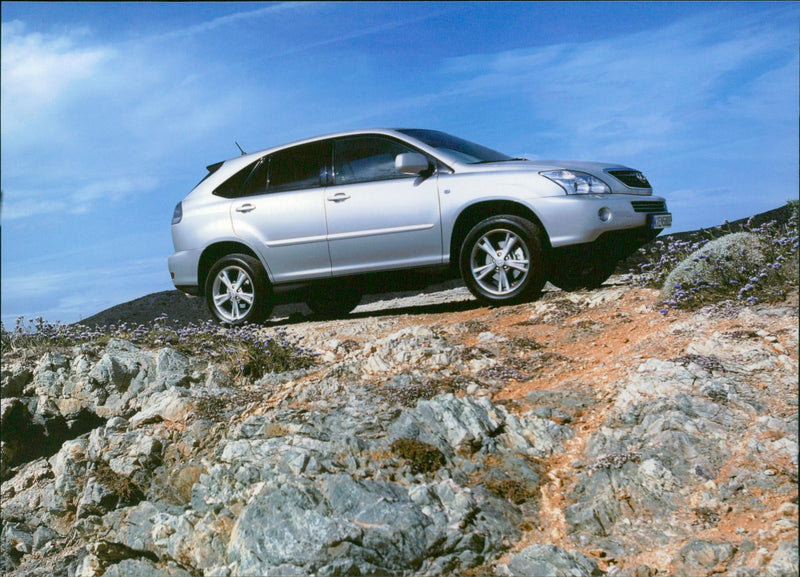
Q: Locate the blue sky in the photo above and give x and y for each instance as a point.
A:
(111, 111)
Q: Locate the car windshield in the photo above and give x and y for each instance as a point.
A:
(466, 151)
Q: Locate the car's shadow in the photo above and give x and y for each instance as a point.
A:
(299, 314)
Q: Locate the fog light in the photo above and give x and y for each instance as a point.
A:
(604, 214)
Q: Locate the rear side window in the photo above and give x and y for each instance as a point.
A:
(295, 168)
(234, 187)
(366, 158)
(302, 166)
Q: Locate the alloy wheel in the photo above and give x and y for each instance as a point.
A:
(499, 262)
(233, 293)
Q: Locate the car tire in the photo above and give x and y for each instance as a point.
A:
(331, 300)
(238, 290)
(502, 260)
(577, 277)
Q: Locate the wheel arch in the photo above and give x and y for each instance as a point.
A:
(474, 213)
(216, 251)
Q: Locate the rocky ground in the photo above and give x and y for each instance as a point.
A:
(582, 434)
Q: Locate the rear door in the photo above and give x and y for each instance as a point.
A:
(378, 218)
(282, 212)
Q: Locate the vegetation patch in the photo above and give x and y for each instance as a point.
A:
(422, 457)
(524, 344)
(247, 351)
(745, 263)
(406, 391)
(709, 363)
(213, 408)
(516, 491)
(615, 460)
(501, 372)
(124, 488)
(705, 518)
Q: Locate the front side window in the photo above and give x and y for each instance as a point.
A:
(464, 150)
(298, 167)
(365, 159)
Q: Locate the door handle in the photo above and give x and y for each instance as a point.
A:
(339, 197)
(245, 208)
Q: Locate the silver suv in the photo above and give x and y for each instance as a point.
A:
(326, 219)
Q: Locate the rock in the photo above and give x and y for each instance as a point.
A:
(69, 468)
(143, 568)
(42, 536)
(452, 424)
(287, 529)
(97, 499)
(14, 380)
(463, 426)
(407, 449)
(551, 561)
(173, 405)
(717, 261)
(784, 562)
(698, 558)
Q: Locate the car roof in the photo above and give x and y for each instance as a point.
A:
(395, 132)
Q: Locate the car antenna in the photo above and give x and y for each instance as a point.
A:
(239, 147)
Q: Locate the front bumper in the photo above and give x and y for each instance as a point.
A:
(611, 246)
(581, 219)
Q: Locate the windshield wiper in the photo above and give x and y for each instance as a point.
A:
(499, 160)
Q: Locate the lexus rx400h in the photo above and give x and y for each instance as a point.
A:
(321, 218)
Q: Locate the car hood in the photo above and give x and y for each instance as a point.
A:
(539, 165)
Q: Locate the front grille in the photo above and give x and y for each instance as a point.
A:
(649, 205)
(630, 178)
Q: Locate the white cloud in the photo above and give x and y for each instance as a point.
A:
(40, 70)
(80, 199)
(124, 276)
(235, 18)
(644, 91)
(86, 124)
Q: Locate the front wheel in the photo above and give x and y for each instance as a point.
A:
(502, 260)
(238, 291)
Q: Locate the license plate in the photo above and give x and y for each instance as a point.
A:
(660, 220)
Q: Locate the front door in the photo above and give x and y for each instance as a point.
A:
(378, 218)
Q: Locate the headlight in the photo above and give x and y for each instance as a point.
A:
(574, 182)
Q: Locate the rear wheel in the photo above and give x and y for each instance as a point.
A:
(502, 260)
(238, 290)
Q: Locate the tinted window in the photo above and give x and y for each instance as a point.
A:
(465, 150)
(234, 186)
(299, 167)
(366, 158)
(256, 181)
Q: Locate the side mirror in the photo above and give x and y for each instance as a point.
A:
(411, 163)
